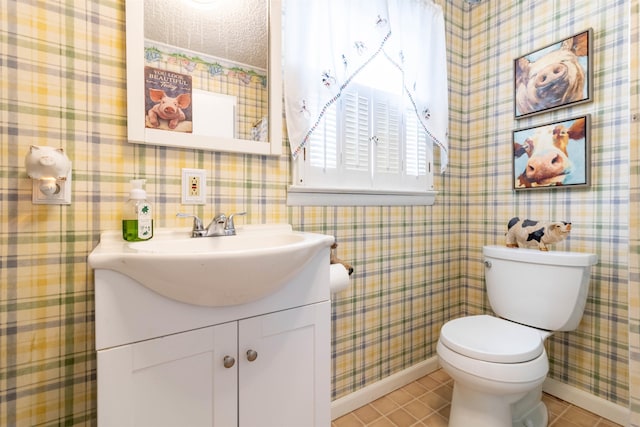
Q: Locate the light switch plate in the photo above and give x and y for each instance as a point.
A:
(194, 186)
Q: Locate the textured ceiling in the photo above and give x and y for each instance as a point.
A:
(230, 29)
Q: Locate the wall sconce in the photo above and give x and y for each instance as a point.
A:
(50, 169)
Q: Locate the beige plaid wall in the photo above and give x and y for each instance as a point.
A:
(62, 83)
(634, 241)
(593, 358)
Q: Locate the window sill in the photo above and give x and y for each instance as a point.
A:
(300, 196)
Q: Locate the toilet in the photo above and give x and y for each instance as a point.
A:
(498, 363)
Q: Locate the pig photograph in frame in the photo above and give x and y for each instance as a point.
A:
(556, 76)
(552, 155)
(167, 100)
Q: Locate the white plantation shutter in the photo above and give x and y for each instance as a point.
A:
(321, 159)
(416, 153)
(323, 144)
(357, 131)
(387, 132)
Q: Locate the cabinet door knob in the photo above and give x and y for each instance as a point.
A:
(228, 362)
(252, 355)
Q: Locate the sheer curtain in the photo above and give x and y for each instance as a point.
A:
(329, 42)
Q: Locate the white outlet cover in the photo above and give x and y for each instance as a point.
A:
(187, 198)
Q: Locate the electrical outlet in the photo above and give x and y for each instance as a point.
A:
(61, 197)
(194, 186)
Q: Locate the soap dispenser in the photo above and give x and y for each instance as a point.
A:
(137, 216)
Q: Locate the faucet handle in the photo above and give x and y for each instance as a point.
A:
(230, 225)
(198, 226)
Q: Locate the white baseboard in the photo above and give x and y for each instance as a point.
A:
(339, 407)
(368, 394)
(602, 407)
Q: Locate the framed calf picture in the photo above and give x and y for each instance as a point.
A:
(555, 76)
(552, 155)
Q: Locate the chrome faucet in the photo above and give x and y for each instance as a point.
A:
(221, 225)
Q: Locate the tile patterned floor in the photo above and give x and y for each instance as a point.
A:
(426, 403)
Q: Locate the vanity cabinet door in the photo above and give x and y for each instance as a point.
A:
(285, 371)
(177, 380)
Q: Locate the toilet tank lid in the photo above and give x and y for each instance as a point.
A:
(535, 256)
(492, 339)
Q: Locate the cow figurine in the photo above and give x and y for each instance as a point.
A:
(549, 162)
(167, 108)
(555, 79)
(526, 233)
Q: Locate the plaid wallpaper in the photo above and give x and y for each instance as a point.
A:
(634, 240)
(595, 357)
(62, 83)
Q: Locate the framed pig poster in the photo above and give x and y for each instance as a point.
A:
(555, 76)
(553, 155)
(167, 100)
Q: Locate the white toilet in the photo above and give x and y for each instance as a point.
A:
(498, 364)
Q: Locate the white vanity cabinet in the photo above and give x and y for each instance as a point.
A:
(265, 363)
(269, 370)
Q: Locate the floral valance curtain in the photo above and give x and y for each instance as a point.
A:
(329, 42)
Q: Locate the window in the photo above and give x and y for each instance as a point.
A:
(365, 100)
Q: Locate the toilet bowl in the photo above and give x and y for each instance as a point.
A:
(498, 363)
(494, 387)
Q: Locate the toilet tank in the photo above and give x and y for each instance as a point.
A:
(546, 290)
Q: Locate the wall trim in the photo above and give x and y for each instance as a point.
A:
(602, 407)
(368, 394)
(351, 402)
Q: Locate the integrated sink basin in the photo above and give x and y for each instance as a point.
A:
(238, 243)
(212, 271)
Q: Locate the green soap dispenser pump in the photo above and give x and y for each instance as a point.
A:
(137, 216)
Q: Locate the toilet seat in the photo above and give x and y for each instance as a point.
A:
(491, 339)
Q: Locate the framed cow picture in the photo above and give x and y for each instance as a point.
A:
(556, 76)
(552, 155)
